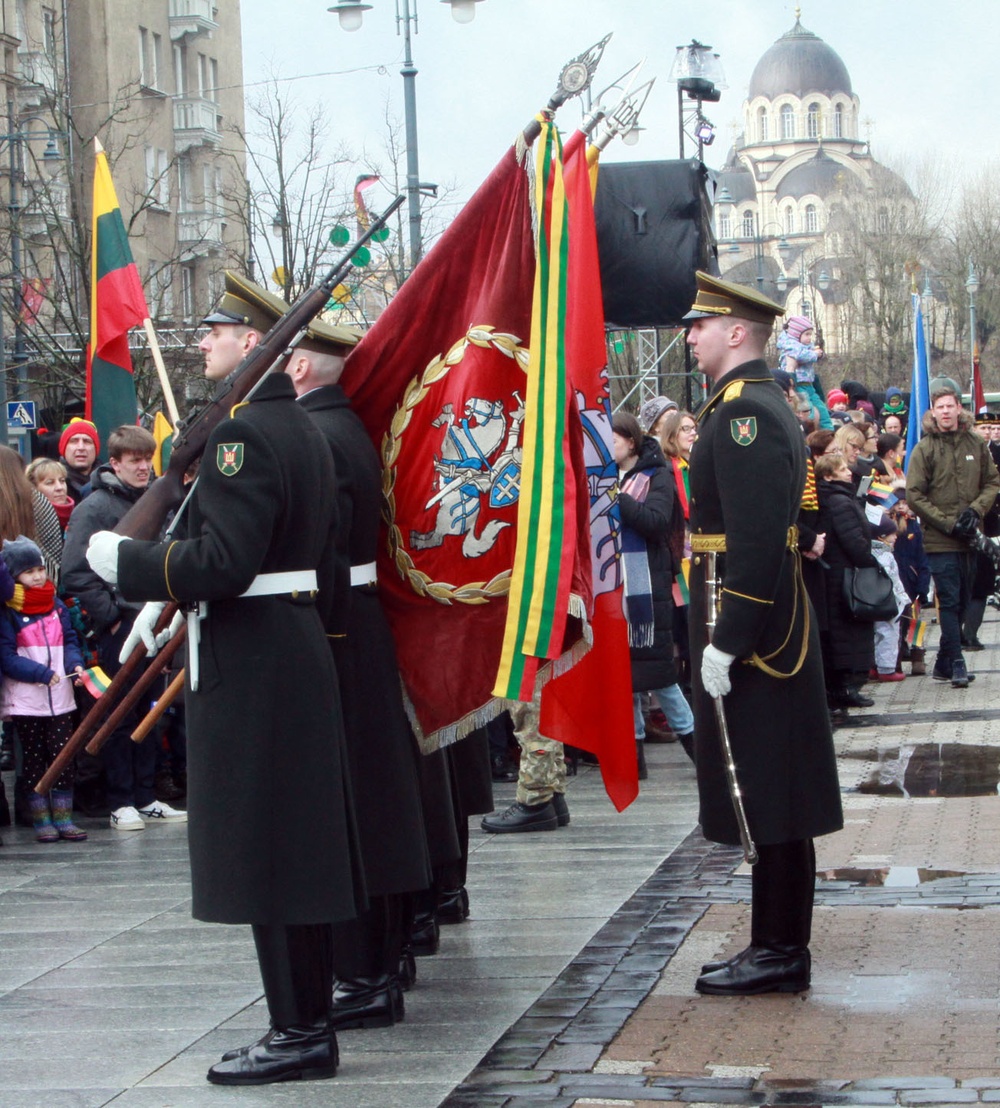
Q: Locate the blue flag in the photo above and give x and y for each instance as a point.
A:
(920, 392)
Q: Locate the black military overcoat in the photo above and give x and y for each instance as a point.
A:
(381, 747)
(271, 829)
(747, 476)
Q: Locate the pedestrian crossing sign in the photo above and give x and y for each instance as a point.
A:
(21, 415)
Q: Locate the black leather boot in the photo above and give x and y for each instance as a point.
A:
(452, 906)
(304, 1052)
(425, 934)
(367, 1002)
(407, 973)
(777, 959)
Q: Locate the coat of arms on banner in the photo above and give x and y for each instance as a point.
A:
(452, 470)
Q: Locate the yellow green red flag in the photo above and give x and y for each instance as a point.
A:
(538, 604)
(117, 303)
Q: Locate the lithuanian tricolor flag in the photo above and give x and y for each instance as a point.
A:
(117, 303)
(538, 604)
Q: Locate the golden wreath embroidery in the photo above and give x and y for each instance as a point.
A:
(475, 592)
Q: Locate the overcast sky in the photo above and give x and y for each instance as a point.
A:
(926, 72)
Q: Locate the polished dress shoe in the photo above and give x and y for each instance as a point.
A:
(561, 808)
(756, 970)
(366, 1002)
(853, 698)
(407, 974)
(425, 934)
(522, 817)
(452, 906)
(306, 1052)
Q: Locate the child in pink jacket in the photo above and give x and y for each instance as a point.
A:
(38, 647)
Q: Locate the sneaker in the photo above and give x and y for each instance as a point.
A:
(159, 810)
(126, 819)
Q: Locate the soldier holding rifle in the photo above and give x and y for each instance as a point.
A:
(762, 657)
(271, 832)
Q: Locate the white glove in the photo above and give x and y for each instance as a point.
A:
(102, 554)
(142, 630)
(715, 665)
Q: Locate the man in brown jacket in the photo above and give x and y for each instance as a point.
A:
(951, 483)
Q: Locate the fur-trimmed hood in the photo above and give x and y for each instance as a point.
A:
(966, 422)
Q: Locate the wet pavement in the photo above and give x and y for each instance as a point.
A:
(572, 983)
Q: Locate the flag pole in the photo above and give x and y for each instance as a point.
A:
(161, 371)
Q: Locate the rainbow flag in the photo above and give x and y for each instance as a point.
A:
(539, 600)
(117, 303)
(95, 681)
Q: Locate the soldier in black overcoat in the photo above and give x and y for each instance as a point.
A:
(747, 477)
(381, 746)
(271, 829)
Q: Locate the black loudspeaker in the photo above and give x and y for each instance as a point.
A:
(654, 229)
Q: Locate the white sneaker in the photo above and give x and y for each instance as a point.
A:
(126, 819)
(159, 810)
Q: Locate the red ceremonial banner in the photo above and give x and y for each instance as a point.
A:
(439, 383)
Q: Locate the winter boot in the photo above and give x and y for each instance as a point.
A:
(917, 666)
(62, 816)
(45, 832)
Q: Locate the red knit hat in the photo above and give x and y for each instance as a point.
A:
(78, 426)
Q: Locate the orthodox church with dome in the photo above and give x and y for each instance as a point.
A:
(785, 191)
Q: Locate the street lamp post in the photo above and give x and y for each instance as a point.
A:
(697, 71)
(972, 287)
(52, 159)
(351, 14)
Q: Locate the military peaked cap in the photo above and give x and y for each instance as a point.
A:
(247, 303)
(718, 297)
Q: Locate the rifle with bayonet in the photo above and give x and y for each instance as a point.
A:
(145, 518)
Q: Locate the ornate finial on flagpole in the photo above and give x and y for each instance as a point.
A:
(798, 13)
(98, 148)
(576, 76)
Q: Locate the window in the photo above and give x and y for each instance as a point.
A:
(49, 32)
(203, 79)
(747, 230)
(187, 291)
(161, 292)
(787, 122)
(789, 220)
(150, 58)
(812, 219)
(762, 133)
(812, 121)
(212, 185)
(184, 184)
(838, 121)
(180, 69)
(157, 177)
(883, 220)
(213, 74)
(725, 226)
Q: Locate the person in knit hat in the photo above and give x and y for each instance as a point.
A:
(799, 357)
(79, 445)
(895, 402)
(39, 654)
(652, 411)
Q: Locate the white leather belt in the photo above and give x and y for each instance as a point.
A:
(363, 575)
(291, 581)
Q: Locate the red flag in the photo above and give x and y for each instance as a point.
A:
(439, 383)
(979, 404)
(590, 706)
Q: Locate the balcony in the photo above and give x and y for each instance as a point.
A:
(38, 79)
(196, 123)
(199, 233)
(191, 18)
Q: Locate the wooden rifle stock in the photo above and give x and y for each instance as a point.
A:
(144, 520)
(152, 717)
(134, 694)
(100, 708)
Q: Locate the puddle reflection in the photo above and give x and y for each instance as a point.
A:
(891, 877)
(931, 769)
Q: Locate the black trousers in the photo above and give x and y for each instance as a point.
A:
(371, 944)
(296, 967)
(784, 884)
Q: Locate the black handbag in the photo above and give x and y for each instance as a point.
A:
(868, 593)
